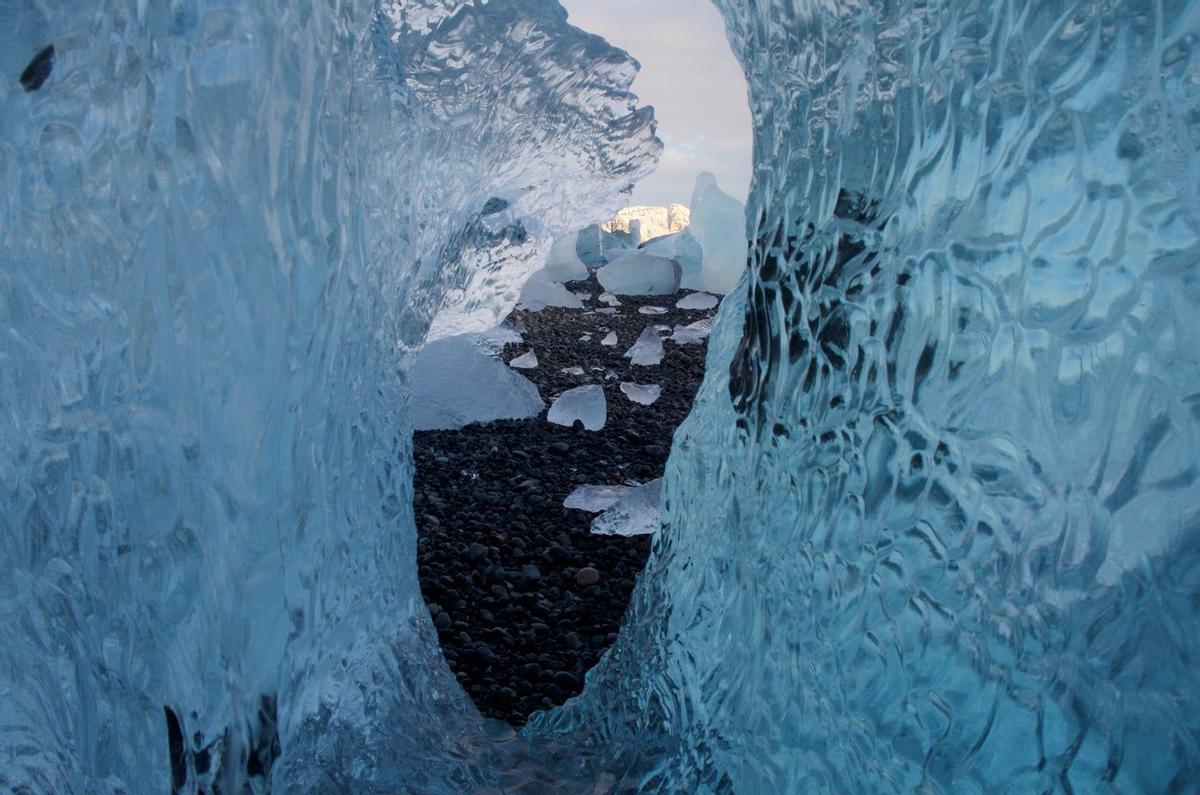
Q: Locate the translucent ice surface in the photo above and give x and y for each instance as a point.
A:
(456, 382)
(610, 339)
(652, 310)
(637, 513)
(647, 350)
(644, 394)
(583, 403)
(526, 361)
(225, 230)
(697, 301)
(719, 226)
(692, 333)
(931, 526)
(562, 261)
(639, 273)
(681, 247)
(539, 292)
(595, 498)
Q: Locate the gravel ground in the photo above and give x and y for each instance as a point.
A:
(524, 597)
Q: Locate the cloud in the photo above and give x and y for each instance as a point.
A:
(693, 81)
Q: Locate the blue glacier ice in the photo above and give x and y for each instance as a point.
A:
(933, 524)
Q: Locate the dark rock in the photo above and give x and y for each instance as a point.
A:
(559, 447)
(587, 576)
(38, 70)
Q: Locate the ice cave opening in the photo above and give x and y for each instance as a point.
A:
(539, 445)
(930, 525)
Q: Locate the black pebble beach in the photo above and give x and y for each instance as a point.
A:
(524, 597)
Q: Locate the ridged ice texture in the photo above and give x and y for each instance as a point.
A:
(222, 228)
(934, 522)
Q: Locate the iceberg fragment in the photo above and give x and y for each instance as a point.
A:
(692, 333)
(526, 361)
(645, 394)
(637, 513)
(585, 404)
(539, 292)
(595, 498)
(681, 247)
(563, 263)
(610, 339)
(638, 273)
(652, 310)
(647, 350)
(455, 382)
(697, 301)
(719, 226)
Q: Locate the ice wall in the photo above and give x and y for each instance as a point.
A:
(223, 229)
(934, 521)
(932, 525)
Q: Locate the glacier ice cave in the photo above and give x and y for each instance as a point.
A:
(934, 519)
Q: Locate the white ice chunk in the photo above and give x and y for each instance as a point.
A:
(692, 332)
(596, 498)
(697, 301)
(637, 513)
(573, 370)
(610, 340)
(610, 299)
(681, 247)
(652, 310)
(493, 340)
(639, 273)
(719, 226)
(526, 361)
(648, 350)
(455, 383)
(584, 403)
(608, 310)
(563, 263)
(540, 292)
(644, 394)
(586, 338)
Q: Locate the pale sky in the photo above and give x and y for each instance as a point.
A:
(693, 81)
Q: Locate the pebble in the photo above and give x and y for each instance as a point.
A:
(587, 576)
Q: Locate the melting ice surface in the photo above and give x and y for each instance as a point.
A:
(697, 301)
(445, 386)
(644, 394)
(647, 349)
(594, 499)
(639, 273)
(931, 526)
(584, 404)
(634, 514)
(526, 361)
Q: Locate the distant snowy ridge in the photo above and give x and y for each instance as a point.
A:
(646, 223)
